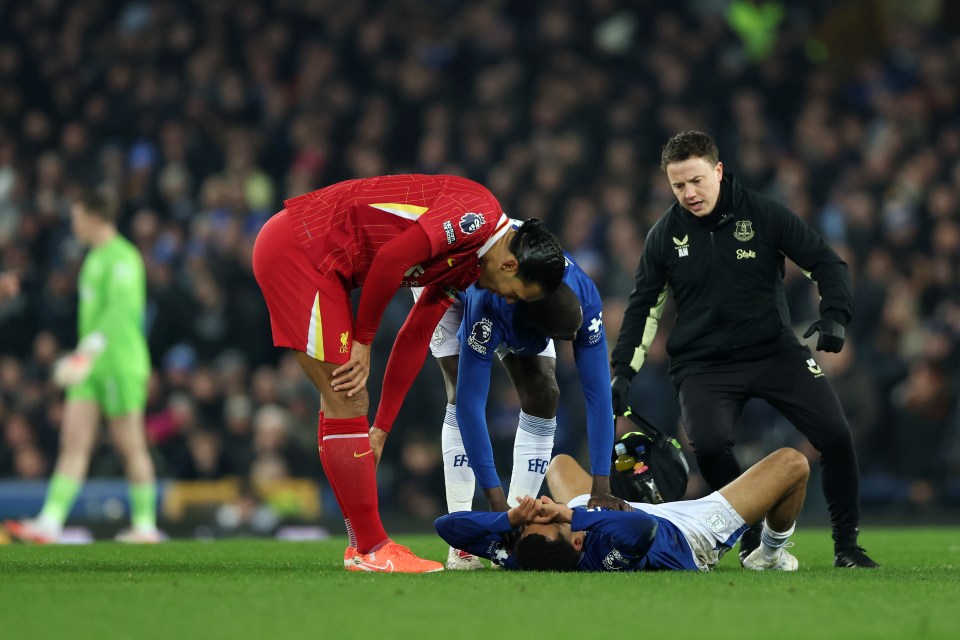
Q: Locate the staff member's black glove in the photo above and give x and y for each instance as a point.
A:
(831, 335)
(620, 386)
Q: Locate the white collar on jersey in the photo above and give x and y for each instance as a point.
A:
(503, 225)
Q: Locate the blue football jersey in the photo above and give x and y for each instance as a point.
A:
(615, 540)
(490, 321)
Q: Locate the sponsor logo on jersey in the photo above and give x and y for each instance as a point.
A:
(682, 245)
(716, 521)
(741, 254)
(743, 231)
(416, 271)
(814, 368)
(596, 329)
(614, 561)
(471, 222)
(448, 229)
(480, 335)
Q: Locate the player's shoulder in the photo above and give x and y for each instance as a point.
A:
(479, 301)
(578, 280)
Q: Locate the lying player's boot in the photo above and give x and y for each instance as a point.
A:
(749, 541)
(783, 561)
(458, 560)
(139, 535)
(853, 557)
(396, 558)
(31, 531)
(351, 558)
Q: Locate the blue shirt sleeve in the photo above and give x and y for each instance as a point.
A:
(593, 369)
(594, 373)
(477, 532)
(479, 337)
(631, 532)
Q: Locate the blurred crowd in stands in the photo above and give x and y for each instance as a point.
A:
(198, 118)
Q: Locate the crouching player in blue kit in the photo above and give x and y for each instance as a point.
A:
(686, 535)
(521, 335)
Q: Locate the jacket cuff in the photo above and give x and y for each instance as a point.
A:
(836, 315)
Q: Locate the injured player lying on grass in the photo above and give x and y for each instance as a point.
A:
(563, 535)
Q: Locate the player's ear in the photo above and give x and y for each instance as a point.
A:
(510, 264)
(577, 541)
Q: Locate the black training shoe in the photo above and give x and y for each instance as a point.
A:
(852, 558)
(749, 541)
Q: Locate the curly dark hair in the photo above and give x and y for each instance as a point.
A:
(689, 144)
(539, 255)
(535, 553)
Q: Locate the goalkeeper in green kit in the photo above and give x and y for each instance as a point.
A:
(105, 376)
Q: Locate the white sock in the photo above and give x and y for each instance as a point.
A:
(457, 474)
(531, 455)
(771, 542)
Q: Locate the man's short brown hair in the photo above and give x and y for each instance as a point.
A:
(94, 203)
(689, 144)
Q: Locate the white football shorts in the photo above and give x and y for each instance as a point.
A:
(710, 525)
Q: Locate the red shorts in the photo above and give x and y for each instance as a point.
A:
(308, 312)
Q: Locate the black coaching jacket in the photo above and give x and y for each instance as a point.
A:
(726, 274)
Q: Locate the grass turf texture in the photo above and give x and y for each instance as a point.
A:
(269, 589)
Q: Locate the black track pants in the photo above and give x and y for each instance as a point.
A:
(711, 400)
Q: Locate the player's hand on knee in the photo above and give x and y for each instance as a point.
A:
(352, 375)
(72, 369)
(378, 438)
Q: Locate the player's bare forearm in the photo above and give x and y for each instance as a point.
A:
(497, 499)
(535, 511)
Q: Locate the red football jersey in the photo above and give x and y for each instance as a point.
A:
(341, 227)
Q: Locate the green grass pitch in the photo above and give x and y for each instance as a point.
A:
(266, 589)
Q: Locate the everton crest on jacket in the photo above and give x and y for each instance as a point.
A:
(726, 273)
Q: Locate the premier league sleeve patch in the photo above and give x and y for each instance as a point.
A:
(471, 222)
(480, 335)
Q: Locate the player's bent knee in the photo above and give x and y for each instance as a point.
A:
(794, 462)
(540, 399)
(558, 465)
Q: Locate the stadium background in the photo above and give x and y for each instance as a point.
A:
(198, 118)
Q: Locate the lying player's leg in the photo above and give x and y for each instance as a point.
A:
(773, 491)
(566, 479)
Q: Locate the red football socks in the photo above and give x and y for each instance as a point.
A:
(351, 536)
(348, 462)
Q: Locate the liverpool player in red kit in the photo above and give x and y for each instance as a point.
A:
(442, 233)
